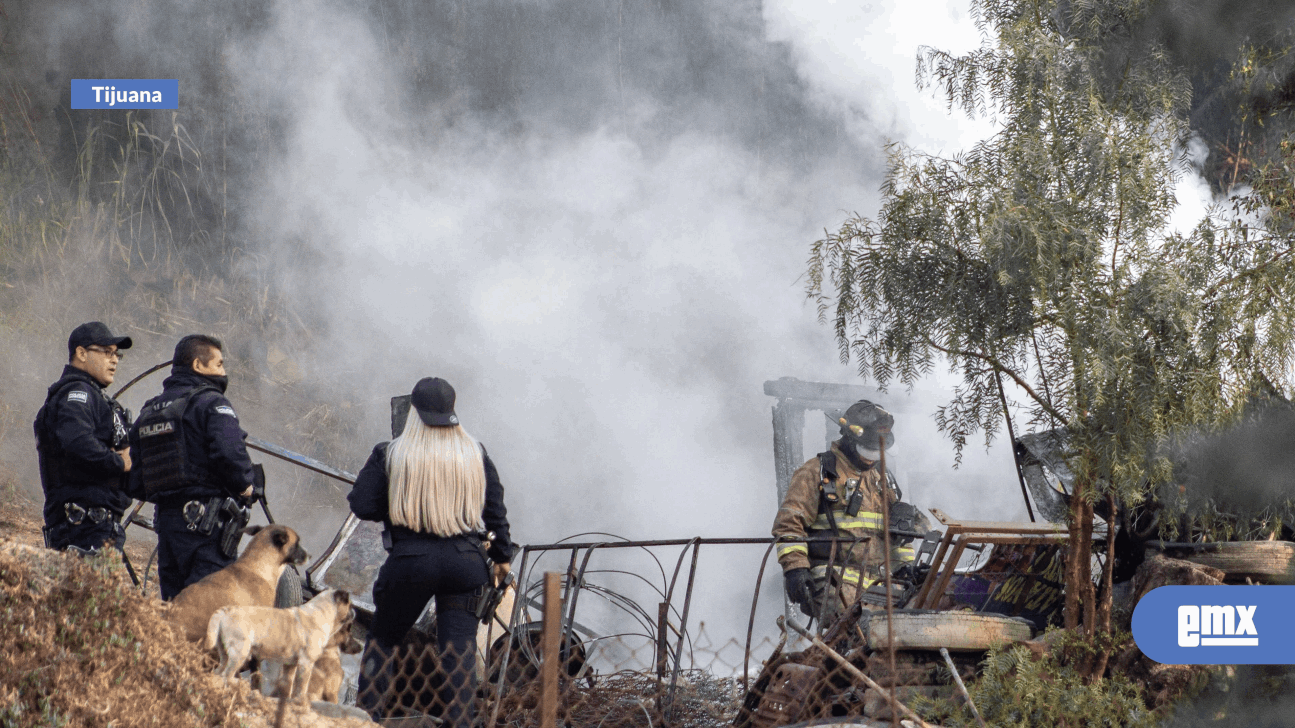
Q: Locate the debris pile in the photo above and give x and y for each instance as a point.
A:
(84, 648)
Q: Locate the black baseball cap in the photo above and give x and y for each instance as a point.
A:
(433, 398)
(95, 333)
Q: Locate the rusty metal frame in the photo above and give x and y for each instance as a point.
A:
(959, 535)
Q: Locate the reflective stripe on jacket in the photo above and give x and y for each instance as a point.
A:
(799, 514)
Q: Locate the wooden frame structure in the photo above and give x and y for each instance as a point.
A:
(959, 535)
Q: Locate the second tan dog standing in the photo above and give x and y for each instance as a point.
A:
(250, 581)
(296, 637)
(328, 676)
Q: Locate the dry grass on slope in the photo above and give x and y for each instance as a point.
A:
(81, 647)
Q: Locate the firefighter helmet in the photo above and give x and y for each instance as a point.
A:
(864, 425)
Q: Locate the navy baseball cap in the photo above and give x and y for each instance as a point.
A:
(433, 399)
(95, 333)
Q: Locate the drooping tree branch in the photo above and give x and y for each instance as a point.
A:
(1000, 367)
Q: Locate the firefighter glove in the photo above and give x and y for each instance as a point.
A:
(798, 587)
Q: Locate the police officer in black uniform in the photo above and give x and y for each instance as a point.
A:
(434, 548)
(192, 462)
(81, 445)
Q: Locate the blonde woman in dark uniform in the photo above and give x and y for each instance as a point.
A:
(435, 490)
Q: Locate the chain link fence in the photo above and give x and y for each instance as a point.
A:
(848, 672)
(867, 665)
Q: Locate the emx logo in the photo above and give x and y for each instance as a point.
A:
(1220, 623)
(1215, 625)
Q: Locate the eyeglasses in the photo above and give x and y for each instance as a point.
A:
(107, 352)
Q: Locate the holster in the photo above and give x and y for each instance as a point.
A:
(235, 518)
(490, 597)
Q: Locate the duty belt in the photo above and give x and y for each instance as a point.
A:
(76, 514)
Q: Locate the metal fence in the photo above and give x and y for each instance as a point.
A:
(664, 670)
(541, 677)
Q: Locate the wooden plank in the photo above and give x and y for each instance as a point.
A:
(551, 652)
(1017, 527)
(946, 576)
(1001, 540)
(931, 575)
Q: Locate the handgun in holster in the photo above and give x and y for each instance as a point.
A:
(202, 516)
(491, 596)
(486, 598)
(235, 518)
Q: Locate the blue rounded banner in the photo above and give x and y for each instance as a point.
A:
(1216, 625)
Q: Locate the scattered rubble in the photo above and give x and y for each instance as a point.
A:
(84, 648)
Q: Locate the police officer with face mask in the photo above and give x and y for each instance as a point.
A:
(838, 495)
(81, 445)
(191, 460)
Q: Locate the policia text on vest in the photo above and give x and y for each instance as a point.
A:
(193, 463)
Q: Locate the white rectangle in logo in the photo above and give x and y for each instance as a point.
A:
(1229, 642)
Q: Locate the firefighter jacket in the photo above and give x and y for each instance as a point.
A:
(800, 516)
(216, 459)
(368, 499)
(77, 430)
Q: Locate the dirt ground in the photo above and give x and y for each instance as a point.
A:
(83, 646)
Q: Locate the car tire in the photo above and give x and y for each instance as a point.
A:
(288, 594)
(921, 629)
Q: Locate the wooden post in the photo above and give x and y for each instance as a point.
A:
(551, 653)
(662, 638)
(886, 565)
(662, 653)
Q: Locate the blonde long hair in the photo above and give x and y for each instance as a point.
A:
(437, 480)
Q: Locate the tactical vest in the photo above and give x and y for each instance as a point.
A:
(165, 466)
(49, 453)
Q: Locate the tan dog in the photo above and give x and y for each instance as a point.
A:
(326, 680)
(248, 582)
(296, 637)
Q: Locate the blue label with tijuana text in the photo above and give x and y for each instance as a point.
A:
(125, 93)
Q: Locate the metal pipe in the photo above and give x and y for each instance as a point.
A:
(147, 372)
(1011, 434)
(702, 541)
(683, 625)
(957, 680)
(297, 458)
(125, 522)
(508, 646)
(750, 625)
(571, 572)
(574, 596)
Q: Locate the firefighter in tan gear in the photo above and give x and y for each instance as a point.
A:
(835, 501)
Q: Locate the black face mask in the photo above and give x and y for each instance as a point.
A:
(221, 382)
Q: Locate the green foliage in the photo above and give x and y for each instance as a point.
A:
(1016, 690)
(1041, 256)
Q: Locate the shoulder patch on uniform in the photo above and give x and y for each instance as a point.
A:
(226, 410)
(77, 395)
